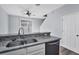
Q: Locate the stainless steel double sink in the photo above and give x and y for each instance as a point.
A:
(18, 42)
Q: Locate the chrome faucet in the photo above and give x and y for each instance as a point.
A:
(19, 31)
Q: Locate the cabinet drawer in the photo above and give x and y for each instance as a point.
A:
(35, 48)
(16, 52)
(39, 52)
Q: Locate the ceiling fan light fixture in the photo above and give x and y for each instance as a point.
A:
(27, 12)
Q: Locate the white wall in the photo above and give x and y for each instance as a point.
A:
(14, 24)
(53, 24)
(54, 21)
(36, 23)
(3, 22)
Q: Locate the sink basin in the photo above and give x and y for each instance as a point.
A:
(30, 41)
(20, 42)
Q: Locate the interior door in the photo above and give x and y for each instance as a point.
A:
(77, 31)
(69, 31)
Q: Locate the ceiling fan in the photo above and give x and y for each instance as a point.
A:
(28, 13)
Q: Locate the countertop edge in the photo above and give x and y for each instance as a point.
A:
(28, 45)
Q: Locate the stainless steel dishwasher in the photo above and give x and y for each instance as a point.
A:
(52, 48)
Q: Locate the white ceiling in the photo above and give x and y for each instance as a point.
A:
(37, 11)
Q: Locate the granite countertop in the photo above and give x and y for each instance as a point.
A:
(14, 34)
(40, 41)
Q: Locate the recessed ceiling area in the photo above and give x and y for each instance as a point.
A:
(36, 10)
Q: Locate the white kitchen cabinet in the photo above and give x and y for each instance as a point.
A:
(39, 52)
(70, 39)
(36, 50)
(16, 52)
(33, 50)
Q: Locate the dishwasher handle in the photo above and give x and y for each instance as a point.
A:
(54, 43)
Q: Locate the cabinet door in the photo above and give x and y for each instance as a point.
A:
(69, 31)
(16, 52)
(39, 52)
(37, 49)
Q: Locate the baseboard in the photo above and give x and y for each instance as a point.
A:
(68, 48)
